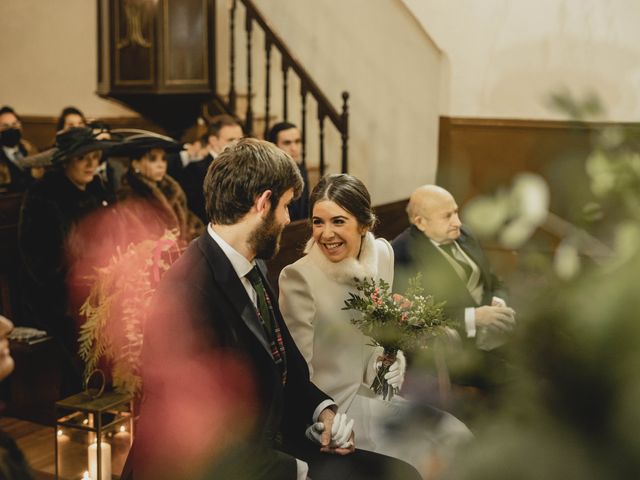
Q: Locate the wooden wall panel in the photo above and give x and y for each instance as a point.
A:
(479, 155)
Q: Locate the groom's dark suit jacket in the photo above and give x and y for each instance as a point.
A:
(414, 252)
(213, 301)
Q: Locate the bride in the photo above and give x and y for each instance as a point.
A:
(341, 360)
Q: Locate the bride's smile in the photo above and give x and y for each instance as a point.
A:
(336, 231)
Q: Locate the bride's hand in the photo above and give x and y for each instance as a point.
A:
(333, 432)
(395, 375)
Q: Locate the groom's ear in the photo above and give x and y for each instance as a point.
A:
(263, 203)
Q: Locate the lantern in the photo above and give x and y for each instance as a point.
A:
(93, 435)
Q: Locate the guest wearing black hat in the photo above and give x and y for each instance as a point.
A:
(61, 222)
(150, 200)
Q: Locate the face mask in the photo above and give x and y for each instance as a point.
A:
(10, 137)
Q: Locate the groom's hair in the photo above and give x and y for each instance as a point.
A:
(244, 171)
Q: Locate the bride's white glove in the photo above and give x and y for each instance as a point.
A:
(395, 375)
(340, 431)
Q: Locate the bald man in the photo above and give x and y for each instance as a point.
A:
(453, 266)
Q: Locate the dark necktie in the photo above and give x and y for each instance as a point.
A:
(263, 307)
(450, 249)
(269, 322)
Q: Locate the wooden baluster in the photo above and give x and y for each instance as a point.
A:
(232, 58)
(248, 125)
(267, 93)
(303, 126)
(285, 89)
(345, 131)
(321, 117)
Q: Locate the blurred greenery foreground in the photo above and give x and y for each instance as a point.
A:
(573, 408)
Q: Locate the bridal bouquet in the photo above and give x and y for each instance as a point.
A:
(395, 322)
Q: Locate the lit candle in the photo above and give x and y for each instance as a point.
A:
(62, 437)
(122, 433)
(105, 461)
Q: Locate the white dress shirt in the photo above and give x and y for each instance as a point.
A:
(242, 266)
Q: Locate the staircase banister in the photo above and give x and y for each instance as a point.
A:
(291, 61)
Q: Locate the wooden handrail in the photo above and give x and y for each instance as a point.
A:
(339, 119)
(289, 59)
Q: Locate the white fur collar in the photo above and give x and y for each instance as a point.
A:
(365, 266)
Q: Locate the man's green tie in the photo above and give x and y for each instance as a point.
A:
(263, 307)
(450, 248)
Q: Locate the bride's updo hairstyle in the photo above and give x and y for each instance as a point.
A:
(349, 193)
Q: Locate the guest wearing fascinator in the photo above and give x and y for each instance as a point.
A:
(151, 201)
(62, 225)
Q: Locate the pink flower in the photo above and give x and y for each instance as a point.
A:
(403, 303)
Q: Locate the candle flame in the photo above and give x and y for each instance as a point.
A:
(122, 428)
(60, 432)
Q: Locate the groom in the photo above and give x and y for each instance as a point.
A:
(215, 300)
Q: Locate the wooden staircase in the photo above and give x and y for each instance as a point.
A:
(175, 61)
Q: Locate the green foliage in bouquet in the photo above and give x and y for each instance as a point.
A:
(397, 322)
(116, 308)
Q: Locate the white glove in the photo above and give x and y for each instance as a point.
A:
(498, 302)
(340, 432)
(395, 375)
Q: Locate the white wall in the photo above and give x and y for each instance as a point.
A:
(506, 56)
(48, 57)
(377, 51)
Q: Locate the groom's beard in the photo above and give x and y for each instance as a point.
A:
(266, 238)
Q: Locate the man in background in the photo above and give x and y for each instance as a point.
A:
(222, 130)
(453, 269)
(286, 136)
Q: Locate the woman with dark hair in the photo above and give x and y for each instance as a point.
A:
(341, 360)
(70, 117)
(152, 201)
(62, 225)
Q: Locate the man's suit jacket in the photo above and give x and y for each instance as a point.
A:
(203, 293)
(191, 181)
(414, 253)
(299, 209)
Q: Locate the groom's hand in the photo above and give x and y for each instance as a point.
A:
(336, 433)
